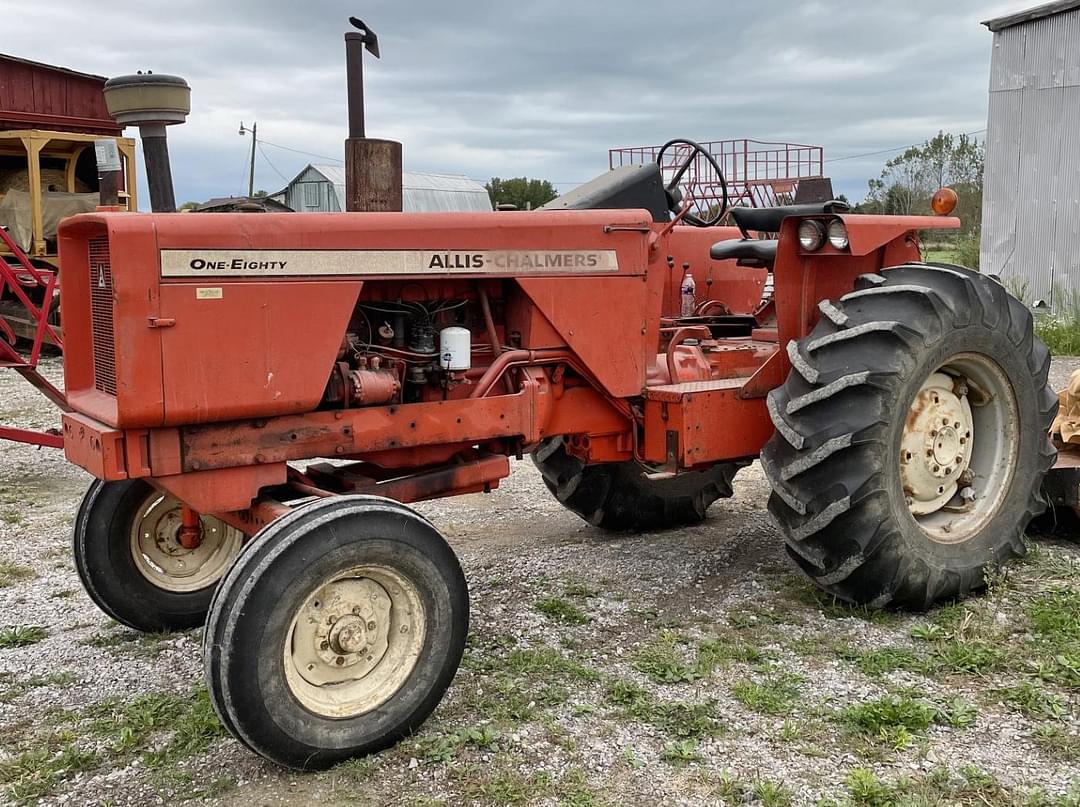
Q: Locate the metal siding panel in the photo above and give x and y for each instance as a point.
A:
(1067, 194)
(1000, 181)
(1072, 49)
(1007, 59)
(1039, 148)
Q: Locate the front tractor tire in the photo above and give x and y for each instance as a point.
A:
(911, 437)
(620, 496)
(336, 632)
(131, 563)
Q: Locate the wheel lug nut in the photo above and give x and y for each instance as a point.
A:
(339, 661)
(371, 625)
(324, 645)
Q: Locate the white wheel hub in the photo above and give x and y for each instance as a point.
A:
(959, 447)
(354, 641)
(164, 561)
(936, 447)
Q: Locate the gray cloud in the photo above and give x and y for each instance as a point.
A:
(543, 89)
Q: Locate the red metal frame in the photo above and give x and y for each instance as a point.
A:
(757, 172)
(17, 279)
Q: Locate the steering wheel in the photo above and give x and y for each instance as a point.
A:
(672, 190)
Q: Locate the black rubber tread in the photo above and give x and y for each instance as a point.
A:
(257, 594)
(619, 496)
(102, 553)
(833, 460)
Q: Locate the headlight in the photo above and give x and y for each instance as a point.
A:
(811, 235)
(838, 234)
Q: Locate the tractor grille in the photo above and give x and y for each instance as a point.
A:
(101, 316)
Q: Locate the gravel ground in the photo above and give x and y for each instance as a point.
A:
(684, 667)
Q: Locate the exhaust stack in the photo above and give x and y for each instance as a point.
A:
(372, 166)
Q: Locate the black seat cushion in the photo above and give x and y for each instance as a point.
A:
(744, 249)
(769, 219)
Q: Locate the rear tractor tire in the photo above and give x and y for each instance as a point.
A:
(336, 632)
(911, 437)
(620, 496)
(129, 558)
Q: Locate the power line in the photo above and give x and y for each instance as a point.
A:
(890, 151)
(284, 178)
(300, 151)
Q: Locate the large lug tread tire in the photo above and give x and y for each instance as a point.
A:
(288, 559)
(619, 496)
(102, 551)
(839, 416)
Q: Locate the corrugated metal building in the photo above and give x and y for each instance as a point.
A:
(1031, 201)
(321, 188)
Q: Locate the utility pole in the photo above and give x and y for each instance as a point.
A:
(253, 131)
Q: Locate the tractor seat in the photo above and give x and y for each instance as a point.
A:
(769, 219)
(747, 251)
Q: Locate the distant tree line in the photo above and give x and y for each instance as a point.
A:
(523, 193)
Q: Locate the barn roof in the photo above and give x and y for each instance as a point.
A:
(1031, 14)
(421, 192)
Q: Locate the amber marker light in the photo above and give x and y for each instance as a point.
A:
(944, 201)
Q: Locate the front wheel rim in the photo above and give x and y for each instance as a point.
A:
(168, 565)
(354, 641)
(959, 448)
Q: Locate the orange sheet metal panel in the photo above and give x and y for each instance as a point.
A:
(181, 293)
(110, 269)
(740, 288)
(222, 490)
(94, 446)
(244, 349)
(604, 320)
(702, 422)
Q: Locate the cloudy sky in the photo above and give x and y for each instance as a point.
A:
(542, 89)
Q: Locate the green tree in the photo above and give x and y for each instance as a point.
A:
(907, 182)
(524, 193)
(188, 206)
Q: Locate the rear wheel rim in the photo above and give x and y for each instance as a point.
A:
(160, 557)
(354, 641)
(959, 448)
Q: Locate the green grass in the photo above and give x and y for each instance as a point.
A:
(878, 716)
(681, 752)
(1033, 701)
(880, 661)
(1057, 743)
(36, 773)
(21, 636)
(547, 661)
(11, 573)
(676, 718)
(970, 787)
(1062, 336)
(561, 610)
(664, 662)
(131, 726)
(445, 747)
(775, 694)
(17, 688)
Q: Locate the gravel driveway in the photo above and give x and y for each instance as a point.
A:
(683, 667)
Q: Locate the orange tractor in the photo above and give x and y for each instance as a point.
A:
(900, 414)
